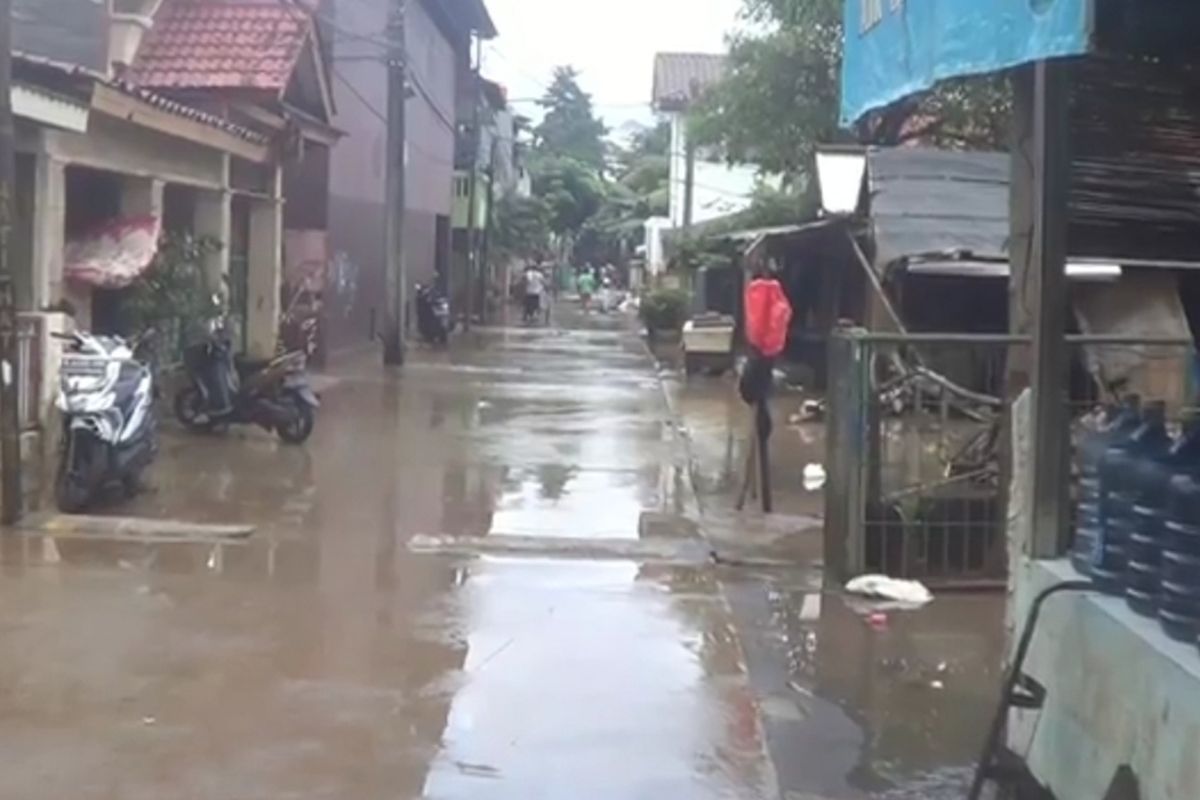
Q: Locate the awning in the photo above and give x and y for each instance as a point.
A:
(773, 231)
(49, 108)
(925, 201)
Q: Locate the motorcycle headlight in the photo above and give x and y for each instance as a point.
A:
(72, 384)
(88, 403)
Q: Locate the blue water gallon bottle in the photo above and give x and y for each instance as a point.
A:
(1118, 493)
(1117, 424)
(1152, 480)
(1179, 590)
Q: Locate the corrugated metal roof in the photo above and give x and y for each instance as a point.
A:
(49, 108)
(38, 70)
(679, 77)
(925, 201)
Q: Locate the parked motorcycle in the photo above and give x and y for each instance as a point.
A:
(225, 389)
(433, 316)
(106, 397)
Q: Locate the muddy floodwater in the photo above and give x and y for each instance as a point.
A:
(392, 628)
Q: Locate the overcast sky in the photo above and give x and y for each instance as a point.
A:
(611, 42)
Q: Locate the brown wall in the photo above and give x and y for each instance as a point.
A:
(357, 170)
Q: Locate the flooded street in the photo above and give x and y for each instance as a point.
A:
(855, 711)
(484, 578)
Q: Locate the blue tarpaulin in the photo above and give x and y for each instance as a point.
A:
(895, 48)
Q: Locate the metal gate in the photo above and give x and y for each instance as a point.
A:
(914, 485)
(918, 433)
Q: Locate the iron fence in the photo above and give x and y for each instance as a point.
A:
(918, 441)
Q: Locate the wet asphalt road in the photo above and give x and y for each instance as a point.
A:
(326, 658)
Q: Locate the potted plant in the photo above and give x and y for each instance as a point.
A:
(663, 312)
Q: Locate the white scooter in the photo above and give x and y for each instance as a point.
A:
(109, 426)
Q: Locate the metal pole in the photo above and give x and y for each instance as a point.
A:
(489, 215)
(472, 211)
(395, 285)
(10, 426)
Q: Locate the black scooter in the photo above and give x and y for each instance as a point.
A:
(433, 316)
(225, 389)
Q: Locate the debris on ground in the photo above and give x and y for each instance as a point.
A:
(881, 587)
(814, 477)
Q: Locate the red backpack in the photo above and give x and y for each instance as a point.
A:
(768, 316)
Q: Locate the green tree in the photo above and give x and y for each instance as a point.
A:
(570, 189)
(521, 227)
(570, 128)
(781, 95)
(640, 189)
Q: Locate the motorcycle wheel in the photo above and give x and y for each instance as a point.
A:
(132, 485)
(71, 491)
(189, 409)
(300, 423)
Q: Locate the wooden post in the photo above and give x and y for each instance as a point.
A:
(1047, 295)
(10, 423)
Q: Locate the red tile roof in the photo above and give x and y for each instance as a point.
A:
(222, 44)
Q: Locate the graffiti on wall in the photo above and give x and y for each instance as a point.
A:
(305, 272)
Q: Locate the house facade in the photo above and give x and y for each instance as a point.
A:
(719, 188)
(263, 65)
(137, 117)
(488, 168)
(202, 115)
(437, 39)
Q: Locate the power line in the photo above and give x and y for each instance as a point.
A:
(420, 86)
(382, 117)
(538, 81)
(361, 97)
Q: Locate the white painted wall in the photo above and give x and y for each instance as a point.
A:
(720, 189)
(656, 262)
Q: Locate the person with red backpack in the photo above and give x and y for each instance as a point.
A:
(768, 317)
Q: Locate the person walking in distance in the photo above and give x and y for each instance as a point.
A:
(586, 285)
(535, 288)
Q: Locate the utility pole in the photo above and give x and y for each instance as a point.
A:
(485, 248)
(10, 424)
(472, 211)
(396, 279)
(689, 186)
(689, 167)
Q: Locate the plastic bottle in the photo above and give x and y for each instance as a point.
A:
(1118, 494)
(1119, 423)
(1179, 593)
(1151, 479)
